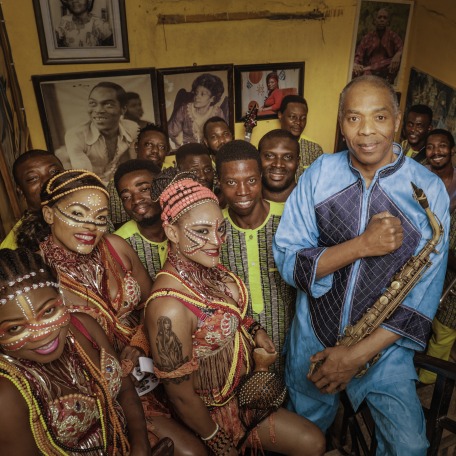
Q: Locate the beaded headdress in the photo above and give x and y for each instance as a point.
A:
(21, 272)
(181, 195)
(51, 193)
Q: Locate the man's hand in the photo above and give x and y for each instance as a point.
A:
(337, 369)
(262, 340)
(395, 62)
(384, 234)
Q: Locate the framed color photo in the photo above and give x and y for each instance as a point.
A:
(73, 117)
(87, 31)
(191, 95)
(440, 97)
(266, 85)
(380, 38)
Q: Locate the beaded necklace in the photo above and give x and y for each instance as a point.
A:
(76, 371)
(209, 283)
(87, 276)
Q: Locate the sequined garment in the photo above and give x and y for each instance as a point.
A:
(222, 349)
(72, 420)
(87, 277)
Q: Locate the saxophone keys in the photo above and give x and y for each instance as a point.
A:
(396, 285)
(384, 300)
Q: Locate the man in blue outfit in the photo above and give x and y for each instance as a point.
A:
(348, 226)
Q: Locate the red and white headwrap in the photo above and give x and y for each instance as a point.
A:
(182, 195)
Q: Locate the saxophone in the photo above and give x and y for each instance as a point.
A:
(401, 284)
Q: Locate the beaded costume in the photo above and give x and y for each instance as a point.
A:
(86, 276)
(222, 350)
(89, 420)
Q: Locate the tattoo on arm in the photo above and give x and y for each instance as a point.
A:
(169, 349)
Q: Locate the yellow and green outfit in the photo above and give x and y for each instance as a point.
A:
(152, 254)
(248, 253)
(444, 323)
(309, 151)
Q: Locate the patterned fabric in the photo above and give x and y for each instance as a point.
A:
(117, 213)
(309, 152)
(222, 346)
(318, 215)
(376, 53)
(186, 126)
(248, 253)
(74, 419)
(152, 254)
(447, 310)
(417, 155)
(92, 33)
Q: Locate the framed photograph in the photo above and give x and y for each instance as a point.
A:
(265, 86)
(380, 38)
(76, 108)
(439, 96)
(87, 31)
(191, 95)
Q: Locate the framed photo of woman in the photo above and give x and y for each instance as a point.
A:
(88, 31)
(189, 96)
(265, 85)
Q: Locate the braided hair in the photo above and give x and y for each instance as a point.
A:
(34, 228)
(21, 271)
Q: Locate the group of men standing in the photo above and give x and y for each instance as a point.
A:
(316, 252)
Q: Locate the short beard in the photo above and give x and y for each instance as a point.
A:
(150, 221)
(276, 189)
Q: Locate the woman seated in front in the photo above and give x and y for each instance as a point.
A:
(61, 385)
(201, 339)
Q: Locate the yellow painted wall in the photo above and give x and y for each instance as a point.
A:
(325, 46)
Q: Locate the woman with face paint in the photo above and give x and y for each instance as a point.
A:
(61, 386)
(200, 336)
(99, 274)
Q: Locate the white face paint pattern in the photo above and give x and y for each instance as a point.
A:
(201, 233)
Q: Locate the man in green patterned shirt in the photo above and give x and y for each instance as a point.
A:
(144, 232)
(152, 144)
(440, 148)
(252, 223)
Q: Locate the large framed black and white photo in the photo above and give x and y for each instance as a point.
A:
(191, 95)
(82, 31)
(68, 107)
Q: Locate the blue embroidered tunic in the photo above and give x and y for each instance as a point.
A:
(331, 205)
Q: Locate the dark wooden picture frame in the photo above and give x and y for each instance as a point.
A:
(177, 88)
(63, 101)
(251, 86)
(104, 37)
(399, 17)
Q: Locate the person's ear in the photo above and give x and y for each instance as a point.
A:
(48, 215)
(171, 233)
(19, 191)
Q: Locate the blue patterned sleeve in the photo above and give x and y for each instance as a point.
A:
(296, 249)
